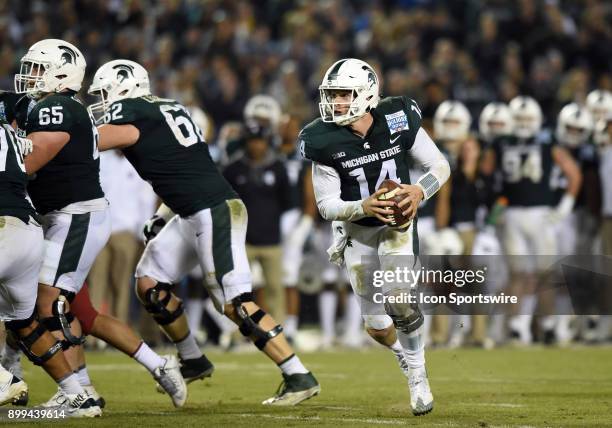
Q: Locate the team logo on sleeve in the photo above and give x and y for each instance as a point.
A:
(397, 122)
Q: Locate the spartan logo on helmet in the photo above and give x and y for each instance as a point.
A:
(68, 55)
(123, 71)
(371, 76)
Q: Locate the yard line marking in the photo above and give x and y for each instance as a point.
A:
(319, 418)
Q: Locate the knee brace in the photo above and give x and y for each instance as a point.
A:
(158, 307)
(62, 319)
(84, 311)
(407, 317)
(249, 325)
(26, 343)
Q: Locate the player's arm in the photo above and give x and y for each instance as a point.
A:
(326, 183)
(488, 162)
(117, 136)
(443, 205)
(570, 169)
(309, 201)
(45, 146)
(425, 152)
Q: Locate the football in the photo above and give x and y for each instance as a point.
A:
(400, 221)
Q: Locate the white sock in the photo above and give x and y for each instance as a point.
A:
(194, 309)
(70, 385)
(528, 304)
(148, 358)
(290, 325)
(414, 348)
(83, 376)
(292, 365)
(188, 348)
(399, 353)
(327, 313)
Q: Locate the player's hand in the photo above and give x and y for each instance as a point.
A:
(372, 207)
(561, 211)
(152, 227)
(413, 197)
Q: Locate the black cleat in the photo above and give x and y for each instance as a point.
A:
(294, 389)
(196, 368)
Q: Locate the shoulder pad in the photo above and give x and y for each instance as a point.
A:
(314, 139)
(124, 111)
(53, 113)
(400, 113)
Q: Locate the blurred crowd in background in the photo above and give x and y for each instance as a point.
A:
(214, 56)
(217, 53)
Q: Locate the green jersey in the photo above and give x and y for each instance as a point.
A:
(73, 175)
(171, 154)
(8, 101)
(13, 178)
(364, 163)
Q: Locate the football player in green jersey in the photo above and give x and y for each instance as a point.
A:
(358, 142)
(21, 257)
(206, 223)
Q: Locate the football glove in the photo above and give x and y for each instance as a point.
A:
(152, 227)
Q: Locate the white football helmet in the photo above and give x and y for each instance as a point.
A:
(495, 120)
(574, 125)
(353, 75)
(527, 116)
(51, 65)
(263, 108)
(599, 103)
(116, 80)
(452, 121)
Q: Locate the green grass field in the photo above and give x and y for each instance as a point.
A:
(504, 387)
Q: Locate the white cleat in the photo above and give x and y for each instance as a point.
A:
(13, 390)
(80, 406)
(170, 379)
(421, 400)
(58, 399)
